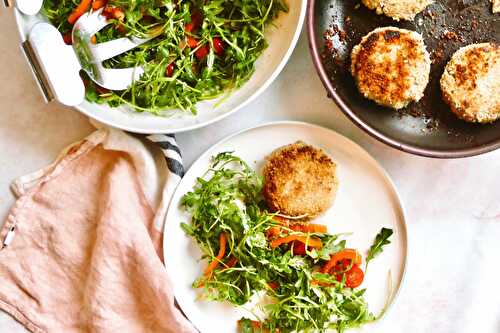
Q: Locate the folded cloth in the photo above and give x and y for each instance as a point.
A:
(82, 244)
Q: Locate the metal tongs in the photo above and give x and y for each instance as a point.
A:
(57, 66)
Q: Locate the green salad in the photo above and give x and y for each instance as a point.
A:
(207, 48)
(310, 277)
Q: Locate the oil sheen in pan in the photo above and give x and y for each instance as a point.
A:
(427, 127)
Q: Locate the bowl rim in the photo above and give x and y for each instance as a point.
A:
(196, 125)
(408, 148)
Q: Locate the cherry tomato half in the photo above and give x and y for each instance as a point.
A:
(273, 285)
(192, 42)
(202, 52)
(218, 46)
(68, 40)
(342, 266)
(353, 277)
(170, 70)
(299, 248)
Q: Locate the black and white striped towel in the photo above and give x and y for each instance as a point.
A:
(175, 172)
(172, 153)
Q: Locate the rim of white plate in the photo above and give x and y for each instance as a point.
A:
(378, 166)
(20, 22)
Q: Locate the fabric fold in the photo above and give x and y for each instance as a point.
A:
(87, 254)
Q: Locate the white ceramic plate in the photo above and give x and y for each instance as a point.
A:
(366, 202)
(282, 37)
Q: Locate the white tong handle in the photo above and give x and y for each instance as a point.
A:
(28, 7)
(55, 65)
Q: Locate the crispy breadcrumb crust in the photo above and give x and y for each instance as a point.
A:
(470, 83)
(299, 180)
(391, 66)
(398, 9)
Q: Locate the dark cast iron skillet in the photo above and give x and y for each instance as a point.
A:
(426, 128)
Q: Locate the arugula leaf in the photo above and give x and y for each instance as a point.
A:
(329, 248)
(245, 326)
(380, 241)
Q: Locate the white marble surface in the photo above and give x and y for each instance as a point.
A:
(453, 206)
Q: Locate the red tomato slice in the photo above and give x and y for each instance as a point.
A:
(192, 43)
(202, 52)
(353, 277)
(189, 27)
(273, 285)
(342, 266)
(68, 40)
(170, 70)
(299, 248)
(218, 46)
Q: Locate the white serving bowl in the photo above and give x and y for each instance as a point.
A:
(282, 36)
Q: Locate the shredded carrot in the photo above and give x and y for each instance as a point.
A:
(350, 254)
(273, 231)
(310, 242)
(305, 228)
(322, 284)
(222, 250)
(276, 230)
(97, 4)
(311, 227)
(79, 11)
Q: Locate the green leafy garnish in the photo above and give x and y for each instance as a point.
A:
(228, 199)
(193, 76)
(380, 241)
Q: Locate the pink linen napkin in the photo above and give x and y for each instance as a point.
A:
(83, 242)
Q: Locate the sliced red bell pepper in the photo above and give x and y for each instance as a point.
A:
(350, 254)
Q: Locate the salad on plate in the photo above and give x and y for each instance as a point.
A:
(299, 276)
